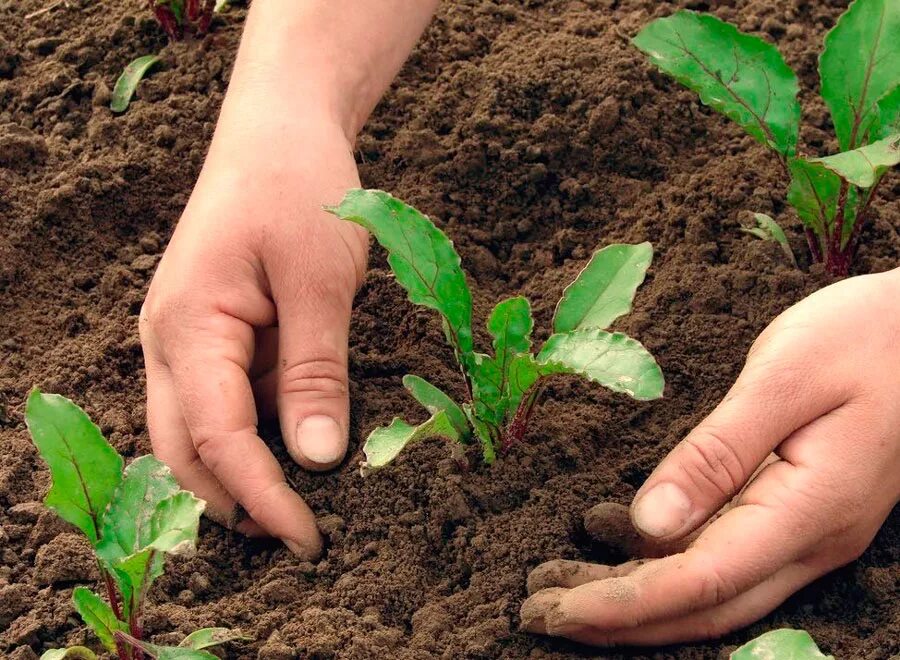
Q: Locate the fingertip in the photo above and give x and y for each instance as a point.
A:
(320, 443)
(610, 523)
(535, 610)
(308, 549)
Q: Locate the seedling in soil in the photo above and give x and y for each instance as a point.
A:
(783, 644)
(747, 80)
(504, 387)
(128, 82)
(175, 15)
(767, 229)
(133, 518)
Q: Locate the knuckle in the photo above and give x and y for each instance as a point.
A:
(262, 501)
(160, 314)
(715, 588)
(325, 377)
(713, 463)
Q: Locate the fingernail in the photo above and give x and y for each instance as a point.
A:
(319, 439)
(662, 511)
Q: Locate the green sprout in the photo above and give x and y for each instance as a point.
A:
(747, 80)
(502, 388)
(128, 81)
(133, 518)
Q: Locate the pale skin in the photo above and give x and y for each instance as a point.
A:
(248, 317)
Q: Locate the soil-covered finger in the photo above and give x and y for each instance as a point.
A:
(568, 573)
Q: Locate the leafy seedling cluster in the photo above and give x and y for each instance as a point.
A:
(747, 80)
(503, 387)
(133, 518)
(175, 15)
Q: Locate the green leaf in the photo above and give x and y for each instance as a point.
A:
(435, 400)
(784, 644)
(603, 291)
(207, 637)
(149, 516)
(486, 375)
(741, 76)
(859, 65)
(385, 443)
(510, 325)
(888, 121)
(613, 360)
(98, 615)
(71, 653)
(84, 467)
(863, 167)
(769, 230)
(128, 82)
(484, 433)
(421, 256)
(165, 652)
(814, 193)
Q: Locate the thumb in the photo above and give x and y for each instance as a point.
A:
(777, 393)
(313, 392)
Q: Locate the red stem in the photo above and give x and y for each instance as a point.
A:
(113, 597)
(813, 242)
(519, 424)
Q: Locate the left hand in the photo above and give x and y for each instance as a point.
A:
(820, 391)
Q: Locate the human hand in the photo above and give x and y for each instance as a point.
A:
(819, 389)
(249, 312)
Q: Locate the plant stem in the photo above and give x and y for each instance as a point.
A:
(113, 597)
(813, 241)
(519, 424)
(837, 260)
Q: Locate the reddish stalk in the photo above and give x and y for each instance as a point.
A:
(515, 432)
(113, 596)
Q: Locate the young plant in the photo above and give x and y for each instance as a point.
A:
(128, 81)
(747, 80)
(504, 387)
(173, 15)
(783, 644)
(133, 518)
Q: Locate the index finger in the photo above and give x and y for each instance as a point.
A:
(210, 372)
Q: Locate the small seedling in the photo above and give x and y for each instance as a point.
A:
(133, 518)
(767, 229)
(504, 387)
(128, 82)
(747, 80)
(174, 15)
(783, 644)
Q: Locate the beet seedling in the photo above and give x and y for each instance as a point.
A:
(504, 387)
(747, 80)
(133, 518)
(173, 15)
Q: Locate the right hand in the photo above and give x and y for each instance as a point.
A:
(248, 315)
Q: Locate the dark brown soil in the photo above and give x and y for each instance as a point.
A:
(534, 133)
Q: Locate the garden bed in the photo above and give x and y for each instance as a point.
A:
(532, 132)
